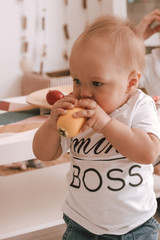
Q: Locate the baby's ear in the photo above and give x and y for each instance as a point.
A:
(133, 81)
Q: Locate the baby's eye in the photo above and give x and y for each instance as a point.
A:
(97, 84)
(76, 81)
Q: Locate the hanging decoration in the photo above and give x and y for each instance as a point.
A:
(40, 18)
(84, 4)
(43, 31)
(66, 31)
(25, 6)
(25, 64)
(101, 7)
(85, 7)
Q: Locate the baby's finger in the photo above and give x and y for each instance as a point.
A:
(69, 98)
(67, 102)
(88, 124)
(55, 113)
(87, 103)
(65, 105)
(84, 113)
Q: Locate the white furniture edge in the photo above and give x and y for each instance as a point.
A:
(17, 148)
(33, 201)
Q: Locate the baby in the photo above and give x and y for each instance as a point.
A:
(110, 184)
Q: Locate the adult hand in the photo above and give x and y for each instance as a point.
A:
(145, 27)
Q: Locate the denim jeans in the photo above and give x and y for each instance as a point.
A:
(147, 231)
(158, 204)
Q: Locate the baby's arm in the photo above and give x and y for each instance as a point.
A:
(133, 143)
(46, 142)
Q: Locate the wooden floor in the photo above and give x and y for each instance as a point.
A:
(54, 233)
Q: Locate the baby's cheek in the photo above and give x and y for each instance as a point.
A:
(75, 94)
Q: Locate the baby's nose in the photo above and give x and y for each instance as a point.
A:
(86, 93)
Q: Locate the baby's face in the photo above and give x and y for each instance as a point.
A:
(96, 75)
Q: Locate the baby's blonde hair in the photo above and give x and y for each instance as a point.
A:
(128, 46)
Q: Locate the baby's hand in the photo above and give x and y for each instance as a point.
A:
(97, 117)
(59, 108)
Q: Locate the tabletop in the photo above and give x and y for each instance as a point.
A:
(20, 117)
(18, 123)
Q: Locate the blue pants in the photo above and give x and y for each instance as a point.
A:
(147, 231)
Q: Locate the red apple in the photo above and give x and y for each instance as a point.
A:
(53, 96)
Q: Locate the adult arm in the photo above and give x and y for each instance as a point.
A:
(145, 26)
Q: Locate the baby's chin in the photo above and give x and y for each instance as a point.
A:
(110, 110)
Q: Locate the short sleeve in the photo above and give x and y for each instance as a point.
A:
(146, 117)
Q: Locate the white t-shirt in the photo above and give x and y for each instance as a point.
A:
(108, 193)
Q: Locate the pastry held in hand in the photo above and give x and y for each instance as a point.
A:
(69, 126)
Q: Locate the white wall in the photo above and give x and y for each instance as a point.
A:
(56, 16)
(9, 48)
